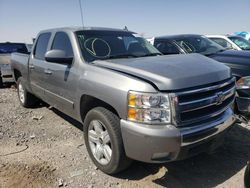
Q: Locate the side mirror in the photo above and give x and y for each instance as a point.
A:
(58, 56)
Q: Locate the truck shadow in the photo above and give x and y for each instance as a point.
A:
(201, 171)
(67, 118)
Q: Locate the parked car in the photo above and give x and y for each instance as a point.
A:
(244, 34)
(5, 53)
(238, 61)
(231, 41)
(134, 103)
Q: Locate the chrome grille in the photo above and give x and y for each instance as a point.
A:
(202, 104)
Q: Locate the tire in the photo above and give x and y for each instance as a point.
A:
(26, 99)
(110, 162)
(1, 80)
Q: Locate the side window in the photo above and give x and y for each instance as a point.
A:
(222, 42)
(41, 45)
(166, 47)
(62, 42)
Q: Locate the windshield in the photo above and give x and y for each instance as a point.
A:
(199, 44)
(12, 47)
(97, 45)
(241, 42)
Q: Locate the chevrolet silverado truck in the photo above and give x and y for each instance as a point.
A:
(134, 103)
(238, 61)
(5, 53)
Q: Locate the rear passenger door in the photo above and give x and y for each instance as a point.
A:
(37, 65)
(61, 80)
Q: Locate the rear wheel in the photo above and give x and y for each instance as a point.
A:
(26, 99)
(104, 141)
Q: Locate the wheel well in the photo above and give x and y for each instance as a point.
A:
(88, 102)
(17, 74)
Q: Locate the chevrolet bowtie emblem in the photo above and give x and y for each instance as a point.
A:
(220, 97)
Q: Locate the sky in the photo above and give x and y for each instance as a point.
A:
(21, 20)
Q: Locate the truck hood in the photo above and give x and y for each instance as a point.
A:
(172, 72)
(5, 58)
(233, 56)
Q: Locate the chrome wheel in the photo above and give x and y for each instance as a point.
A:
(21, 93)
(99, 142)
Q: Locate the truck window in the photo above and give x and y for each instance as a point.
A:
(99, 44)
(41, 46)
(166, 47)
(62, 42)
(12, 47)
(222, 42)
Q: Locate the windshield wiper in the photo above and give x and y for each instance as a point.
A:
(120, 56)
(151, 54)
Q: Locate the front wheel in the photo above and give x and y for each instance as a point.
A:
(26, 99)
(104, 141)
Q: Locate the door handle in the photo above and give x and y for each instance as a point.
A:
(48, 71)
(31, 67)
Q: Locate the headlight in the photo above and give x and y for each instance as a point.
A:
(148, 108)
(243, 83)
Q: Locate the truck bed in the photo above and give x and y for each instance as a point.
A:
(19, 61)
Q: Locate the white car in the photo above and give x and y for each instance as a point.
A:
(231, 41)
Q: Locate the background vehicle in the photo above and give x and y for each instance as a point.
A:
(5, 53)
(134, 103)
(238, 61)
(231, 42)
(244, 34)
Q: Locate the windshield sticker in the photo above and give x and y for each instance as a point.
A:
(97, 47)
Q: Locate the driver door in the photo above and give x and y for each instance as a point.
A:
(61, 78)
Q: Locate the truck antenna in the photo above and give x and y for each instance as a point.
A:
(80, 3)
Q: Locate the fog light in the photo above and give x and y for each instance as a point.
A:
(161, 156)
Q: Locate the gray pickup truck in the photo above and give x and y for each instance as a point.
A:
(135, 104)
(6, 49)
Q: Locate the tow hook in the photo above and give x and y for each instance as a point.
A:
(241, 119)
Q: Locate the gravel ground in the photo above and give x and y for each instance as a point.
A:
(42, 147)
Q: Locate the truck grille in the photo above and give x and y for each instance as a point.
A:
(200, 105)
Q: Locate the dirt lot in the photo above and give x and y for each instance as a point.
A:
(41, 147)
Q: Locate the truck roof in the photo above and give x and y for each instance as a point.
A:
(177, 36)
(74, 29)
(223, 36)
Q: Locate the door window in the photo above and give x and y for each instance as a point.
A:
(62, 42)
(222, 42)
(41, 46)
(166, 47)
